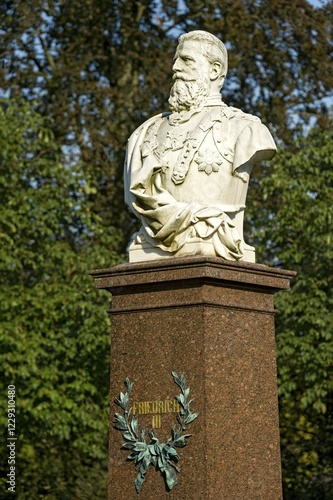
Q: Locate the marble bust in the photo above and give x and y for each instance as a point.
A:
(187, 171)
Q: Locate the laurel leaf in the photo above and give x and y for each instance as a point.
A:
(128, 446)
(128, 436)
(138, 482)
(120, 422)
(161, 462)
(180, 398)
(140, 446)
(134, 426)
(181, 441)
(128, 385)
(191, 417)
(170, 477)
(183, 382)
(152, 449)
(173, 454)
(176, 378)
(142, 454)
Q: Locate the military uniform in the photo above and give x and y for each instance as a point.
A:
(187, 175)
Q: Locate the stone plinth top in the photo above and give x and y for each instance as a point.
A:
(241, 274)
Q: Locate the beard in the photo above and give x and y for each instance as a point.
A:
(188, 94)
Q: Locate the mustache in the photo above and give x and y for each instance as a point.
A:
(183, 78)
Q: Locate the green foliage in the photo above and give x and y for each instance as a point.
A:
(298, 236)
(100, 68)
(280, 55)
(88, 64)
(54, 348)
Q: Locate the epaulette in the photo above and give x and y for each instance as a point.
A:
(231, 112)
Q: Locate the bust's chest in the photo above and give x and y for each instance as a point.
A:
(196, 158)
(198, 139)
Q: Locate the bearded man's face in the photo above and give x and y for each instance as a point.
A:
(191, 78)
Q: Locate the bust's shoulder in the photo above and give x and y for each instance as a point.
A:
(145, 125)
(237, 114)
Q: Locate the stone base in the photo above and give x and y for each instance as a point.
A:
(214, 321)
(146, 252)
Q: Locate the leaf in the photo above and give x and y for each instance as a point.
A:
(152, 435)
(183, 382)
(138, 482)
(175, 432)
(179, 420)
(120, 422)
(170, 477)
(185, 413)
(118, 402)
(191, 417)
(124, 398)
(128, 385)
(145, 463)
(181, 441)
(128, 436)
(152, 449)
(143, 454)
(139, 446)
(133, 456)
(134, 426)
(176, 378)
(165, 451)
(173, 453)
(161, 462)
(122, 401)
(180, 398)
(128, 446)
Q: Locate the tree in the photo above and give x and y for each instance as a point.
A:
(298, 235)
(278, 52)
(101, 68)
(54, 332)
(89, 65)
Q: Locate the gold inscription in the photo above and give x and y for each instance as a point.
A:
(155, 407)
(156, 422)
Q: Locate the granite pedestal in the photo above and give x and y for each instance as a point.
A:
(213, 320)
